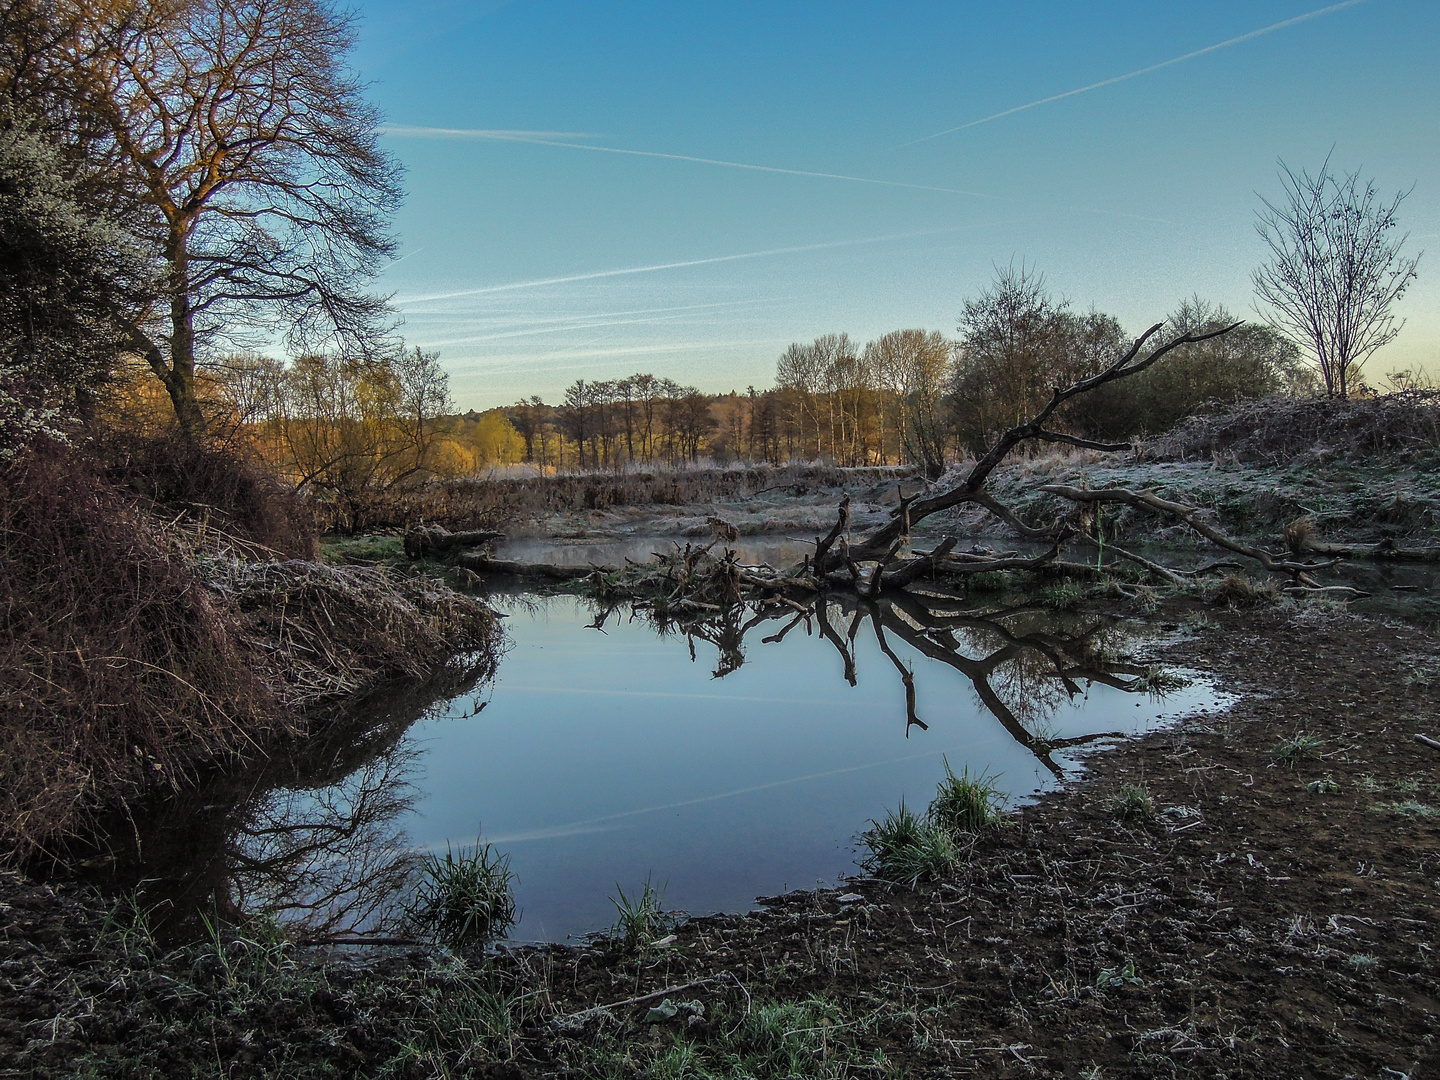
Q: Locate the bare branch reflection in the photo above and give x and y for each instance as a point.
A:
(1022, 662)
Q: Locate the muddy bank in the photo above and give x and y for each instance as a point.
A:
(1276, 916)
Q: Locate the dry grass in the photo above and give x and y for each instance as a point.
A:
(320, 632)
(1279, 429)
(136, 648)
(487, 503)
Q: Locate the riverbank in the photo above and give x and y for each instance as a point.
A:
(1274, 916)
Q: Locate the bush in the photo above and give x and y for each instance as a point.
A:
(215, 486)
(117, 666)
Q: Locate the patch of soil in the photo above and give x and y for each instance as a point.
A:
(1275, 917)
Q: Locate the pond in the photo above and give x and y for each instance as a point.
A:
(739, 756)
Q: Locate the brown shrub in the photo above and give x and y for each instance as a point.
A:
(117, 668)
(207, 484)
(1279, 429)
(136, 649)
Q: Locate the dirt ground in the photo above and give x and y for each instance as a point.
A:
(1276, 916)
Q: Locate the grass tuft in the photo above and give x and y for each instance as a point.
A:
(466, 897)
(1132, 803)
(1064, 595)
(641, 918)
(966, 804)
(1297, 748)
(907, 848)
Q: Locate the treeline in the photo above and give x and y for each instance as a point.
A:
(913, 396)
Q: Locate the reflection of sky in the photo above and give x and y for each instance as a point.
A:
(603, 758)
(1129, 195)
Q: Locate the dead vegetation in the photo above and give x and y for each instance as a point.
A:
(140, 642)
(882, 561)
(1403, 425)
(503, 500)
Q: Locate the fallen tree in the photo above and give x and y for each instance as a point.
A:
(881, 562)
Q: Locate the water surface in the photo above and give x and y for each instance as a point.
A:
(738, 757)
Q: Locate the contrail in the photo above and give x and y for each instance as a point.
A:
(668, 266)
(403, 131)
(600, 824)
(1284, 24)
(544, 139)
(593, 322)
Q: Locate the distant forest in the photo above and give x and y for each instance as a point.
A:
(909, 397)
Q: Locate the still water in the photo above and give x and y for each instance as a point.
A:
(740, 758)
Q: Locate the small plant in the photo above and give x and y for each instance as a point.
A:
(1326, 785)
(964, 803)
(1369, 785)
(1159, 683)
(1117, 977)
(1197, 623)
(1362, 963)
(465, 898)
(1237, 591)
(1132, 803)
(1297, 748)
(641, 917)
(908, 848)
(1412, 808)
(989, 581)
(1063, 595)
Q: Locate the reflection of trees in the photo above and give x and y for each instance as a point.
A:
(309, 837)
(1022, 662)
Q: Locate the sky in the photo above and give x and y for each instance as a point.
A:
(685, 189)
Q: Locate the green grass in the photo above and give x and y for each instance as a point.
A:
(1362, 963)
(805, 1039)
(989, 581)
(966, 804)
(362, 549)
(1159, 683)
(1064, 595)
(466, 897)
(1132, 803)
(1412, 808)
(1297, 748)
(907, 848)
(640, 917)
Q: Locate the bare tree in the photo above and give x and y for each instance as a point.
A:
(913, 365)
(1335, 270)
(246, 160)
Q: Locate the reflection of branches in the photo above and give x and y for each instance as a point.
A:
(308, 836)
(329, 860)
(1027, 659)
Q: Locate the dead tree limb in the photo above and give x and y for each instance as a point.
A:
(971, 489)
(1148, 500)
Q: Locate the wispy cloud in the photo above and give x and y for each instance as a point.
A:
(1251, 36)
(572, 359)
(656, 267)
(542, 138)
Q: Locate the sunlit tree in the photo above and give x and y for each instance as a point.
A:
(241, 153)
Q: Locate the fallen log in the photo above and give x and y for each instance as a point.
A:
(428, 541)
(1385, 550)
(483, 564)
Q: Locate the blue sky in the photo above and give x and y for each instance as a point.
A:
(529, 264)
